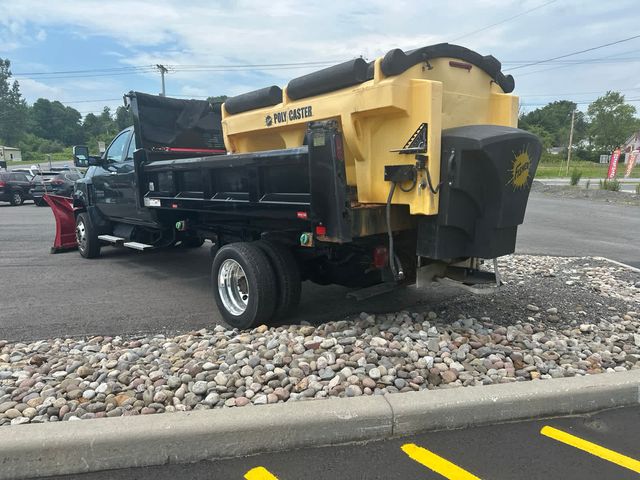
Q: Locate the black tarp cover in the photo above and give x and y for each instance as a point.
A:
(175, 123)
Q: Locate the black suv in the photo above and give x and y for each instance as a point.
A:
(14, 187)
(56, 183)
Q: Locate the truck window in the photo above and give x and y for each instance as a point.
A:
(116, 149)
(132, 148)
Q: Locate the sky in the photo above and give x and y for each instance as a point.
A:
(230, 47)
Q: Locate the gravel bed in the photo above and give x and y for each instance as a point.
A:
(556, 317)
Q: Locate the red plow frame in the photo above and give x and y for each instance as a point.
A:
(62, 208)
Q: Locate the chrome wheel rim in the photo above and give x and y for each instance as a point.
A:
(17, 198)
(81, 235)
(233, 287)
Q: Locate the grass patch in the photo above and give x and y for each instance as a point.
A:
(41, 158)
(611, 185)
(575, 176)
(557, 169)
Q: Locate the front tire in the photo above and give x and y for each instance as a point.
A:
(16, 199)
(86, 236)
(244, 285)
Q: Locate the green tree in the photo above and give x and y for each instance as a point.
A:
(612, 121)
(217, 99)
(555, 118)
(107, 122)
(33, 147)
(124, 118)
(13, 108)
(545, 137)
(99, 128)
(53, 121)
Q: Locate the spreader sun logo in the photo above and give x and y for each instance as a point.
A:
(519, 171)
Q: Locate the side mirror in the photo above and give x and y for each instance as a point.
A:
(81, 155)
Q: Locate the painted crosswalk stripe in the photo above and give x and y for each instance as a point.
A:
(436, 463)
(592, 448)
(259, 473)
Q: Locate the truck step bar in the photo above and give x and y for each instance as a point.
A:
(137, 246)
(119, 242)
(111, 239)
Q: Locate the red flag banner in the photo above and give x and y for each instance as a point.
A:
(632, 161)
(613, 164)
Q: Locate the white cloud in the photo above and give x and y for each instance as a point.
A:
(283, 31)
(34, 89)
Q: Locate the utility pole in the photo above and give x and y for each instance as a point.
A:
(163, 70)
(573, 116)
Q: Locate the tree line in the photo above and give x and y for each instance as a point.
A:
(607, 124)
(50, 126)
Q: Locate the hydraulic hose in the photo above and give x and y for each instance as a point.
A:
(392, 257)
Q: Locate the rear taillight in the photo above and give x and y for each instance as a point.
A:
(2, 184)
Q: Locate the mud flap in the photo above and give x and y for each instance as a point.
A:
(62, 208)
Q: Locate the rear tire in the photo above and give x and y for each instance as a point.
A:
(287, 273)
(244, 285)
(16, 199)
(86, 236)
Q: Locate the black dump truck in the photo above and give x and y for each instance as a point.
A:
(278, 216)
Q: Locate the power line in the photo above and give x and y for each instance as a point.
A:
(60, 77)
(579, 63)
(575, 53)
(576, 93)
(524, 104)
(92, 70)
(65, 102)
(258, 65)
(502, 21)
(176, 68)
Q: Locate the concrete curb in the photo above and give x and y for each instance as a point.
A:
(102, 444)
(464, 407)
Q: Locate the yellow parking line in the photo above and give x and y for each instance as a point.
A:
(259, 473)
(592, 448)
(436, 463)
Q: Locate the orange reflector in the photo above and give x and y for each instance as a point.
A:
(321, 230)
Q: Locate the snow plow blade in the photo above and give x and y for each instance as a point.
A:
(62, 208)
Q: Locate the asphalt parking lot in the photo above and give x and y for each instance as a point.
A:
(128, 293)
(598, 446)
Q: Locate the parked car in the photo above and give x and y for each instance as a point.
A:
(30, 172)
(56, 183)
(14, 187)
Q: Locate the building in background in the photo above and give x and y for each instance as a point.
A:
(10, 154)
(632, 143)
